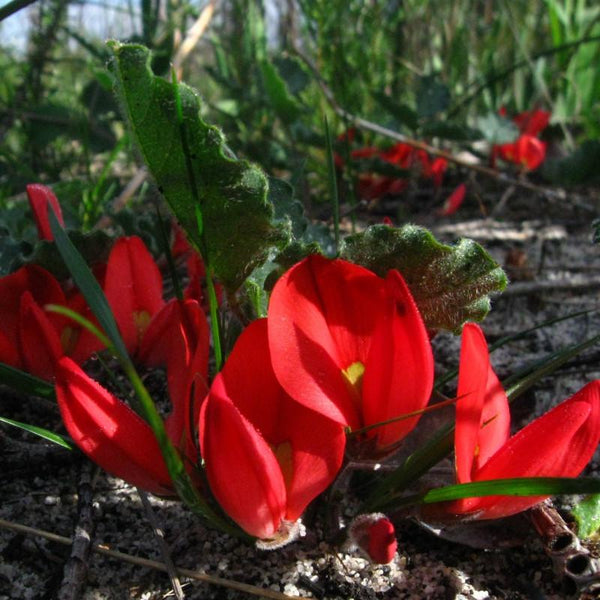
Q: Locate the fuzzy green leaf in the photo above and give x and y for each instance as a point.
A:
(188, 160)
(449, 283)
(587, 515)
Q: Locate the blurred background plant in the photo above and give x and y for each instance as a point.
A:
(269, 71)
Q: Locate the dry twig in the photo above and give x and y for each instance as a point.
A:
(76, 567)
(154, 564)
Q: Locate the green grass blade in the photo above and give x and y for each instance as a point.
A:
(24, 382)
(39, 431)
(333, 190)
(520, 486)
(87, 284)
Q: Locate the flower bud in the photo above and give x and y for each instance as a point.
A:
(374, 534)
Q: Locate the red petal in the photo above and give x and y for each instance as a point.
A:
(242, 470)
(309, 447)
(322, 316)
(560, 443)
(78, 342)
(43, 287)
(532, 122)
(530, 151)
(40, 197)
(454, 201)
(133, 287)
(108, 431)
(38, 339)
(178, 338)
(382, 544)
(481, 400)
(398, 376)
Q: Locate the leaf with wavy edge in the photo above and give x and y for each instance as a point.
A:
(221, 202)
(451, 284)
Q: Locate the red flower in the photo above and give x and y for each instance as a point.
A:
(178, 338)
(266, 455)
(375, 535)
(30, 337)
(133, 288)
(40, 196)
(110, 432)
(454, 201)
(352, 346)
(558, 444)
(532, 122)
(528, 151)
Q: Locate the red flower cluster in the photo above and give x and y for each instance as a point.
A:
(527, 150)
(371, 186)
(341, 349)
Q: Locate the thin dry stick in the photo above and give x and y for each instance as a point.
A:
(76, 569)
(154, 564)
(394, 135)
(193, 36)
(164, 549)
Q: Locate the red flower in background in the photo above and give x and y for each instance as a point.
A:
(351, 346)
(558, 444)
(532, 122)
(267, 456)
(371, 186)
(527, 150)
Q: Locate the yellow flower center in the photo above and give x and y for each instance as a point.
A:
(353, 376)
(283, 454)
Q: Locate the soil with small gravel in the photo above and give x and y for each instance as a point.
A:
(546, 248)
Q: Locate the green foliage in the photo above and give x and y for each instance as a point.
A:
(188, 161)
(450, 284)
(587, 515)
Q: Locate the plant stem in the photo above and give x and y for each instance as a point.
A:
(213, 304)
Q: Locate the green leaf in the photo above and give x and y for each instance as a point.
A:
(24, 382)
(587, 515)
(39, 431)
(284, 104)
(189, 162)
(450, 284)
(578, 168)
(519, 486)
(433, 96)
(497, 129)
(293, 73)
(288, 210)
